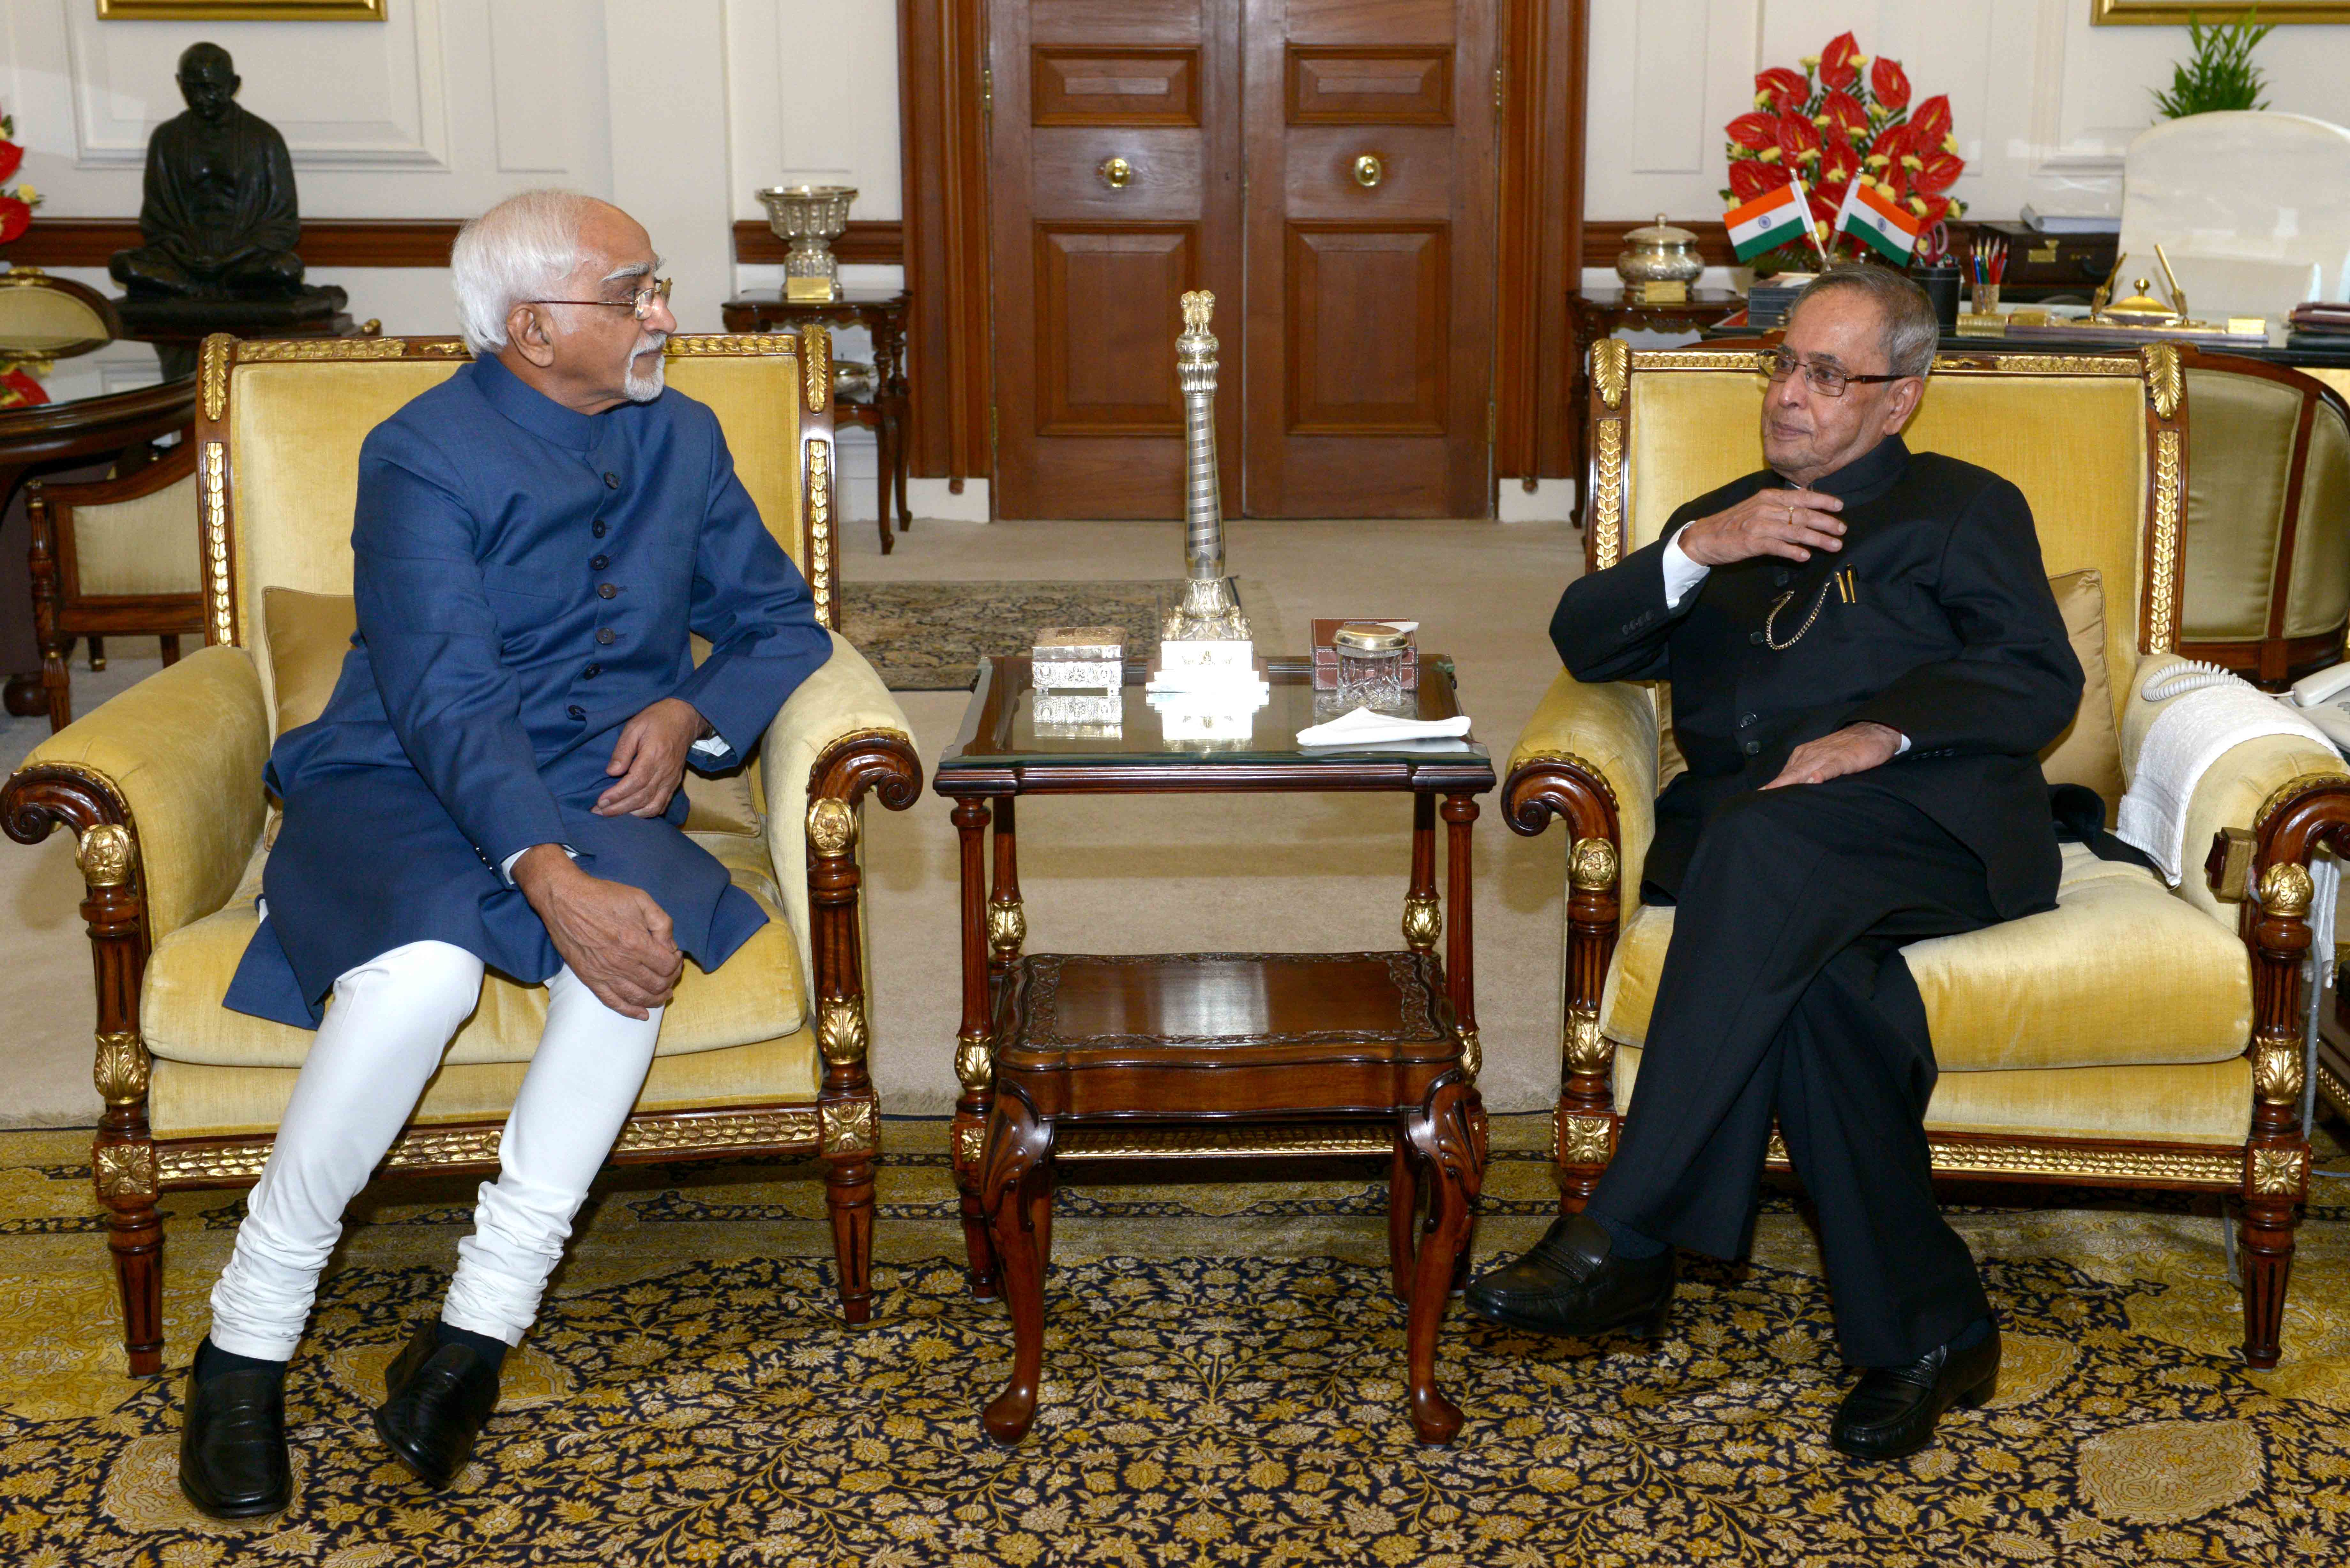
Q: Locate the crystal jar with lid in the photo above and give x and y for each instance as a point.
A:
(1372, 656)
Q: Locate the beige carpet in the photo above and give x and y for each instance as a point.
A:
(1236, 872)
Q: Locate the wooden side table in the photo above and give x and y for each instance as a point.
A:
(882, 313)
(1184, 1055)
(1598, 313)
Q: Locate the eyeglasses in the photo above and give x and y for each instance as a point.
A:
(1827, 381)
(642, 301)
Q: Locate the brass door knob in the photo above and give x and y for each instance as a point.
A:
(1369, 171)
(1116, 172)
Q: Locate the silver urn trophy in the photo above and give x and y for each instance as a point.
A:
(810, 217)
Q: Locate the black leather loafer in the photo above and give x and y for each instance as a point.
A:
(233, 1462)
(441, 1396)
(1892, 1411)
(1568, 1282)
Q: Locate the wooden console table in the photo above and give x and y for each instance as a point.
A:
(882, 313)
(1205, 1054)
(1596, 313)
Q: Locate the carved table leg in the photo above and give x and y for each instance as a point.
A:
(1422, 921)
(1444, 1139)
(973, 1068)
(1017, 1188)
(1403, 1215)
(1459, 816)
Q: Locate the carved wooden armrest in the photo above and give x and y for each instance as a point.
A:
(840, 735)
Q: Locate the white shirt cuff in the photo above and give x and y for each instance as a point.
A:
(1682, 574)
(712, 749)
(506, 866)
(1903, 747)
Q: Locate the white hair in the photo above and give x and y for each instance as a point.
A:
(520, 250)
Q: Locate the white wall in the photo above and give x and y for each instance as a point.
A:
(2044, 103)
(677, 109)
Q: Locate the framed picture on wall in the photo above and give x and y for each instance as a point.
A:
(2176, 13)
(241, 10)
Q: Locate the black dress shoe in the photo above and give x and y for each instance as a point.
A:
(1893, 1409)
(1568, 1282)
(440, 1394)
(233, 1461)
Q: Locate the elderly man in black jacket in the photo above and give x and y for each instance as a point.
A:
(1866, 661)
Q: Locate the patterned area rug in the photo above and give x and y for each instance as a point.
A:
(930, 637)
(1223, 1387)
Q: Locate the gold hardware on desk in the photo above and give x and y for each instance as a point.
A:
(1369, 171)
(1116, 173)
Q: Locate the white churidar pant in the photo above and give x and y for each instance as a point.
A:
(380, 1042)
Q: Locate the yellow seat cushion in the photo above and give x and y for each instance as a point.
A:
(2122, 972)
(2203, 1103)
(188, 1099)
(758, 994)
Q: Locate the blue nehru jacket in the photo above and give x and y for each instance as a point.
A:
(526, 578)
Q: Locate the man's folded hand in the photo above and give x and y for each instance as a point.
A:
(649, 760)
(1854, 749)
(614, 937)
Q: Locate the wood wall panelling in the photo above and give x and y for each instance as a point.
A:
(1544, 46)
(868, 241)
(942, 149)
(326, 241)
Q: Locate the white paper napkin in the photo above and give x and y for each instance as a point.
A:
(1364, 727)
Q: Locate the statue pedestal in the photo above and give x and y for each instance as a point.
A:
(178, 324)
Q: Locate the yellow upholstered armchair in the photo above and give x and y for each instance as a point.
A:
(2134, 1035)
(163, 787)
(2267, 582)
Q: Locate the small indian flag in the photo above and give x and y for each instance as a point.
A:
(1770, 220)
(1874, 220)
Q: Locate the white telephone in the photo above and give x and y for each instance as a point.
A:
(2323, 699)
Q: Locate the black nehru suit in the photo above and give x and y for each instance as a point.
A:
(1783, 992)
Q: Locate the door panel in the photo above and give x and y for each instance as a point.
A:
(1359, 85)
(1369, 385)
(1116, 87)
(1098, 322)
(1367, 313)
(1089, 419)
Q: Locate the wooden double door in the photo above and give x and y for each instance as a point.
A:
(1327, 169)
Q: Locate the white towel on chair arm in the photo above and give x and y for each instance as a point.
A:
(2190, 734)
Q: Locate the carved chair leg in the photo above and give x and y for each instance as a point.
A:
(97, 653)
(171, 647)
(1016, 1186)
(134, 1235)
(2264, 1252)
(1446, 1145)
(848, 1194)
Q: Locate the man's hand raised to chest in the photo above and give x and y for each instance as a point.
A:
(613, 936)
(1789, 523)
(649, 760)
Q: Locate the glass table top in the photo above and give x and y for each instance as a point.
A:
(1002, 727)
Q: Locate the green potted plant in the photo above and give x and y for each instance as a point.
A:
(2219, 75)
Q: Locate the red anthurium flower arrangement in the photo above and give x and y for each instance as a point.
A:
(15, 206)
(1844, 117)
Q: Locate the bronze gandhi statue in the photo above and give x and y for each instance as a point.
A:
(219, 214)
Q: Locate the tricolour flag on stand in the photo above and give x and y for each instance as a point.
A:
(1875, 220)
(1770, 220)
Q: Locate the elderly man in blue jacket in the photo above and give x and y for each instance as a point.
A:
(495, 784)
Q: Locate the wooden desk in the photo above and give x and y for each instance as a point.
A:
(1212, 1055)
(1598, 313)
(882, 313)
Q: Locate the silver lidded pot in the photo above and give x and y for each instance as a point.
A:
(1659, 253)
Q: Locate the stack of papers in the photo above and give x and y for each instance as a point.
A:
(1364, 727)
